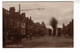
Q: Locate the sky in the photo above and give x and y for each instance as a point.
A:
(62, 11)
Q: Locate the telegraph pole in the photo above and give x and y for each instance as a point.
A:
(19, 8)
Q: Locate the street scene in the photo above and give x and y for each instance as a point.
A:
(38, 24)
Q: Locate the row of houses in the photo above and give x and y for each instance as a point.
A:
(67, 30)
(16, 25)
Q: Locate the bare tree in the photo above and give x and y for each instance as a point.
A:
(53, 23)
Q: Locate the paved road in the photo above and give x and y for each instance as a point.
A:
(48, 42)
(44, 42)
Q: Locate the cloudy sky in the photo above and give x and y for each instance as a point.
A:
(62, 11)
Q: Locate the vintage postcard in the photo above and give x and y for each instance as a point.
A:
(37, 24)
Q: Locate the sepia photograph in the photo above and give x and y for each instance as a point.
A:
(38, 24)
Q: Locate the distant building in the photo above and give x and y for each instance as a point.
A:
(59, 31)
(50, 32)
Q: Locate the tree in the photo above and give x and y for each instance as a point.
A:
(53, 23)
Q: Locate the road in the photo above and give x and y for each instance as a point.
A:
(48, 42)
(43, 42)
